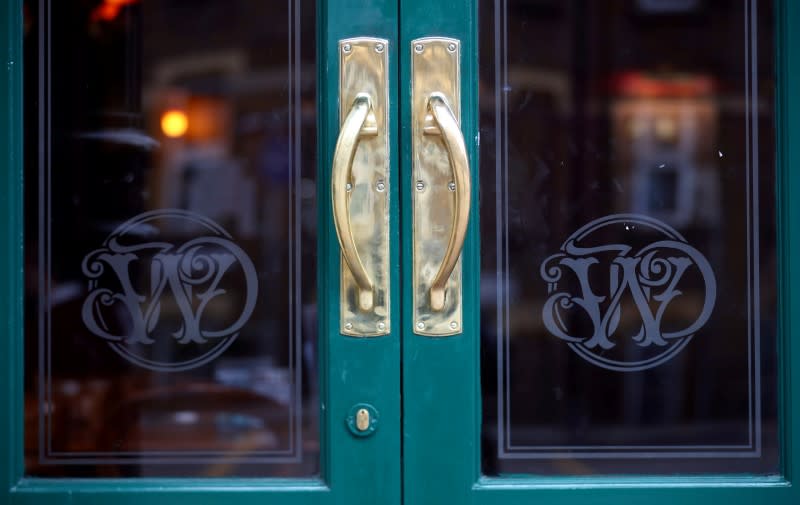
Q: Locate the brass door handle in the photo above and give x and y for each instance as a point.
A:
(441, 121)
(359, 123)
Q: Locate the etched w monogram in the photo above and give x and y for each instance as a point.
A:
(190, 277)
(650, 279)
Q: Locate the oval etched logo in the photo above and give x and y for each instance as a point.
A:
(627, 292)
(164, 304)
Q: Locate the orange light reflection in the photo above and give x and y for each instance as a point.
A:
(108, 10)
(174, 123)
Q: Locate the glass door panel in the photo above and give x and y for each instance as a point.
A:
(171, 214)
(628, 238)
(180, 267)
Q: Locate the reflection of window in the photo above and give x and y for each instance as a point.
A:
(666, 131)
(667, 6)
(663, 188)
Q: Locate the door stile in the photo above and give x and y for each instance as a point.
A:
(788, 116)
(360, 370)
(441, 400)
(11, 397)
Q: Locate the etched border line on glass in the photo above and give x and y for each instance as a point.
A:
(44, 325)
(750, 450)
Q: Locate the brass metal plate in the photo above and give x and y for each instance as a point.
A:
(363, 68)
(362, 419)
(434, 69)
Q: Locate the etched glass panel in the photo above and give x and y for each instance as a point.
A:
(628, 237)
(170, 238)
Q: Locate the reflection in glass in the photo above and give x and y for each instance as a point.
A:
(170, 238)
(628, 237)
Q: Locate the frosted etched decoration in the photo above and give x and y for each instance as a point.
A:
(170, 239)
(628, 300)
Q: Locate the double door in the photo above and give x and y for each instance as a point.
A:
(413, 252)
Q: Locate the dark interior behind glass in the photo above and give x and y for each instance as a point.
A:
(170, 243)
(627, 144)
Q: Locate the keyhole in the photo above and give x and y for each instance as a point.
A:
(362, 419)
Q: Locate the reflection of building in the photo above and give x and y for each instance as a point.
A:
(209, 182)
(662, 126)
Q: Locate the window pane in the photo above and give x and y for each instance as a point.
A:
(628, 237)
(171, 238)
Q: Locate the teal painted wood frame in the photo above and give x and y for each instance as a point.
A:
(353, 470)
(360, 370)
(441, 378)
(11, 281)
(441, 389)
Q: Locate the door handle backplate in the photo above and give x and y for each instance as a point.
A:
(360, 186)
(440, 185)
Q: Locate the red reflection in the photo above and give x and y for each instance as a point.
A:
(108, 10)
(642, 85)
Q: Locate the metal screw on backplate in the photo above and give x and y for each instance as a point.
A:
(380, 186)
(420, 325)
(346, 48)
(379, 47)
(452, 186)
(381, 326)
(419, 48)
(453, 325)
(348, 326)
(451, 48)
(420, 186)
(348, 187)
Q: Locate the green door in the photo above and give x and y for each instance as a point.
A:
(168, 164)
(629, 285)
(233, 268)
